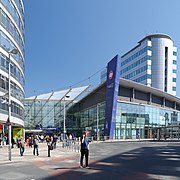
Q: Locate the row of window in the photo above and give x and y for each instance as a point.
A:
(15, 72)
(138, 71)
(142, 78)
(135, 55)
(16, 109)
(9, 26)
(19, 6)
(151, 114)
(136, 63)
(7, 44)
(128, 114)
(88, 117)
(10, 7)
(16, 92)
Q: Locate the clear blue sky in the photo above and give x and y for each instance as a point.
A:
(67, 41)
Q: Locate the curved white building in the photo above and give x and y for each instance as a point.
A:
(152, 62)
(12, 38)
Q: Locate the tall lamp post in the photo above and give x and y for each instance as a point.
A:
(13, 51)
(97, 128)
(64, 128)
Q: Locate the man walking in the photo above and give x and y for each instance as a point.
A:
(84, 149)
(36, 146)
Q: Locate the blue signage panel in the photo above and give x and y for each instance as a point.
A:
(112, 88)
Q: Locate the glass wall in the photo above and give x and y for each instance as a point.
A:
(39, 114)
(91, 119)
(45, 114)
(133, 121)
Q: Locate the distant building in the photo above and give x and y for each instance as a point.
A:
(152, 62)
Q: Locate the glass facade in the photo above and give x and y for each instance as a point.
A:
(12, 37)
(45, 114)
(135, 64)
(135, 55)
(132, 120)
(87, 119)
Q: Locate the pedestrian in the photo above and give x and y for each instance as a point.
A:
(30, 142)
(36, 146)
(54, 141)
(84, 149)
(21, 146)
(49, 145)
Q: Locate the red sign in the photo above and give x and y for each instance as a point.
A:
(110, 75)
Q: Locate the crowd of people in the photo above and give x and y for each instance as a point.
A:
(33, 141)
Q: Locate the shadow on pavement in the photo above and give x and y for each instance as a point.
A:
(142, 163)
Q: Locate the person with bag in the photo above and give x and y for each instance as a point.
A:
(84, 149)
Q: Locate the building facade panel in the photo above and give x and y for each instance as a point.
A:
(12, 38)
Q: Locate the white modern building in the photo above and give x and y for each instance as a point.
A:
(12, 55)
(152, 62)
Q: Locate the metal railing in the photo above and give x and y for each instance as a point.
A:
(71, 144)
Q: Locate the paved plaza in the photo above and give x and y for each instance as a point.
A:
(108, 160)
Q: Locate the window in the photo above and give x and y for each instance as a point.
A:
(174, 53)
(174, 62)
(174, 71)
(3, 61)
(174, 79)
(174, 88)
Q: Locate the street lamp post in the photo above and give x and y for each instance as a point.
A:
(64, 128)
(13, 51)
(97, 121)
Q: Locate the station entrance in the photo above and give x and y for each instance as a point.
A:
(163, 133)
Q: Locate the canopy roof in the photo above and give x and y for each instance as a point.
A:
(68, 94)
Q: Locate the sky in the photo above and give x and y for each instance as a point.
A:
(68, 42)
